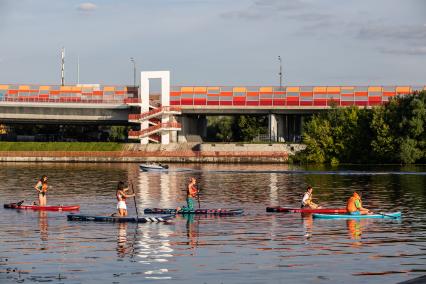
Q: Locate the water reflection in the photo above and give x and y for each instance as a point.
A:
(273, 189)
(122, 248)
(160, 189)
(308, 224)
(153, 248)
(43, 227)
(192, 230)
(143, 190)
(165, 191)
(354, 229)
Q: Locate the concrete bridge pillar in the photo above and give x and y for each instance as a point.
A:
(192, 125)
(272, 127)
(280, 130)
(276, 127)
(184, 121)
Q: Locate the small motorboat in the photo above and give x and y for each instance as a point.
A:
(153, 167)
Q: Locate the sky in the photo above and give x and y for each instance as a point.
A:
(215, 42)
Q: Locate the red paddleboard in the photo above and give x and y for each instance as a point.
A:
(305, 210)
(42, 208)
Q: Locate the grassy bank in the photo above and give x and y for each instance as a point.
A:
(60, 146)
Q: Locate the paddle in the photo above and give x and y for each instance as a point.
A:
(134, 199)
(198, 198)
(386, 215)
(19, 203)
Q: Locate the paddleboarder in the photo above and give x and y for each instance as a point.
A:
(354, 205)
(307, 199)
(191, 194)
(41, 187)
(121, 198)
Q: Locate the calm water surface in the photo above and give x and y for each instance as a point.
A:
(257, 247)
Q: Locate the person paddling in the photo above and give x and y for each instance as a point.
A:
(191, 194)
(354, 205)
(121, 199)
(307, 199)
(41, 187)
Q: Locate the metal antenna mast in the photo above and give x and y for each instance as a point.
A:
(63, 66)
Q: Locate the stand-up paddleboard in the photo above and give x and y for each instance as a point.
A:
(153, 219)
(221, 212)
(391, 215)
(20, 205)
(305, 210)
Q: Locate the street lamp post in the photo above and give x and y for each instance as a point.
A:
(134, 71)
(281, 72)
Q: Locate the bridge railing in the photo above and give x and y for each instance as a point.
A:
(63, 100)
(291, 96)
(85, 93)
(215, 96)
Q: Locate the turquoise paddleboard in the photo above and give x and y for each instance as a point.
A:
(392, 215)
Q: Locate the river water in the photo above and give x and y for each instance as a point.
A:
(257, 247)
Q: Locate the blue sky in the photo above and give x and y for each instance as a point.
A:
(215, 42)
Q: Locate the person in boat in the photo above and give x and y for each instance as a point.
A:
(307, 200)
(354, 205)
(121, 198)
(41, 187)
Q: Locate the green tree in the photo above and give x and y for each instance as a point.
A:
(118, 133)
(224, 128)
(247, 127)
(383, 142)
(394, 132)
(219, 128)
(409, 152)
(318, 139)
(337, 136)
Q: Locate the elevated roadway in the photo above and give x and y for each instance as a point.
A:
(183, 107)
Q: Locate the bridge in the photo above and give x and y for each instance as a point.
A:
(180, 111)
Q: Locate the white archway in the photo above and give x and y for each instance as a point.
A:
(164, 76)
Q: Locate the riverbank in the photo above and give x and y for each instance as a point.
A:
(61, 146)
(179, 153)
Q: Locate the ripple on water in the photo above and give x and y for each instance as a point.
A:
(257, 247)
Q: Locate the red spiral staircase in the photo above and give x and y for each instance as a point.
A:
(155, 126)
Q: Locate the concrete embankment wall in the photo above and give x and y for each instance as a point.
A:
(191, 153)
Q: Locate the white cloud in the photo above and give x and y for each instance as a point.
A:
(86, 7)
(419, 50)
(261, 9)
(398, 33)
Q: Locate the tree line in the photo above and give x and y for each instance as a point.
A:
(241, 128)
(390, 133)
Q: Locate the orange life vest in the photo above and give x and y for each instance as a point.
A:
(192, 191)
(44, 187)
(351, 206)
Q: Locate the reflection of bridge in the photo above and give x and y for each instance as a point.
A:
(285, 106)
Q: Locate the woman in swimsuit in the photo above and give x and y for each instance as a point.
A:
(121, 199)
(41, 187)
